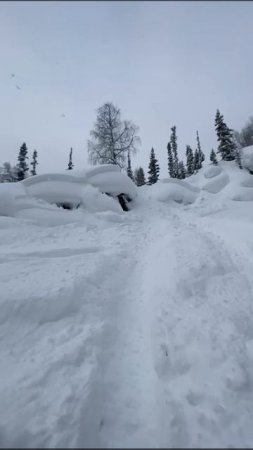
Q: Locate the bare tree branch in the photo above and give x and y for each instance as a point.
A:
(112, 139)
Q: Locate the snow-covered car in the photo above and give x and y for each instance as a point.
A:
(66, 188)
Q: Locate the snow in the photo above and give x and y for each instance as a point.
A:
(212, 171)
(127, 329)
(247, 157)
(36, 197)
(173, 190)
(53, 187)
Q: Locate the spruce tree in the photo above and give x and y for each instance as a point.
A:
(34, 163)
(226, 145)
(196, 161)
(154, 168)
(201, 157)
(139, 177)
(181, 170)
(173, 140)
(129, 167)
(213, 157)
(170, 161)
(189, 161)
(70, 163)
(22, 164)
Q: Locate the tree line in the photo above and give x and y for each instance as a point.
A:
(20, 171)
(113, 141)
(23, 169)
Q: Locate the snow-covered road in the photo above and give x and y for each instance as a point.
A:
(134, 330)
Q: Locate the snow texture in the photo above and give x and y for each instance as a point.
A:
(68, 186)
(127, 329)
(247, 157)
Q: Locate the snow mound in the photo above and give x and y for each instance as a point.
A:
(173, 191)
(56, 191)
(212, 171)
(115, 184)
(217, 183)
(243, 195)
(103, 168)
(183, 183)
(248, 182)
(14, 199)
(67, 187)
(247, 157)
(95, 201)
(227, 180)
(35, 198)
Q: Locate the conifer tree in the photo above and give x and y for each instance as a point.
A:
(129, 167)
(173, 140)
(139, 177)
(213, 157)
(154, 168)
(226, 145)
(22, 164)
(201, 157)
(181, 170)
(70, 163)
(34, 163)
(170, 161)
(189, 160)
(196, 161)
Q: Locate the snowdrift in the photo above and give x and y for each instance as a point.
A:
(247, 157)
(96, 188)
(67, 187)
(175, 190)
(88, 189)
(226, 180)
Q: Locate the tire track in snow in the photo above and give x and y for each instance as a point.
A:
(170, 353)
(202, 357)
(172, 370)
(124, 397)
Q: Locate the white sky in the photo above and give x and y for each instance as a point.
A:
(163, 63)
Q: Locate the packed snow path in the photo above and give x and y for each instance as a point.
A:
(135, 331)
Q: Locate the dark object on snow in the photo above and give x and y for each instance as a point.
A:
(67, 206)
(123, 202)
(122, 198)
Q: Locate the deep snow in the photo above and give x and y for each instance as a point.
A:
(129, 329)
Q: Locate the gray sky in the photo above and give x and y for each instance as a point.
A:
(163, 63)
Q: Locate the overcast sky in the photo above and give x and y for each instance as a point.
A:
(163, 63)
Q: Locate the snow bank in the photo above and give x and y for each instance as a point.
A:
(67, 187)
(115, 184)
(56, 191)
(243, 195)
(13, 199)
(212, 171)
(95, 201)
(247, 157)
(35, 196)
(248, 182)
(227, 181)
(217, 183)
(173, 190)
(182, 183)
